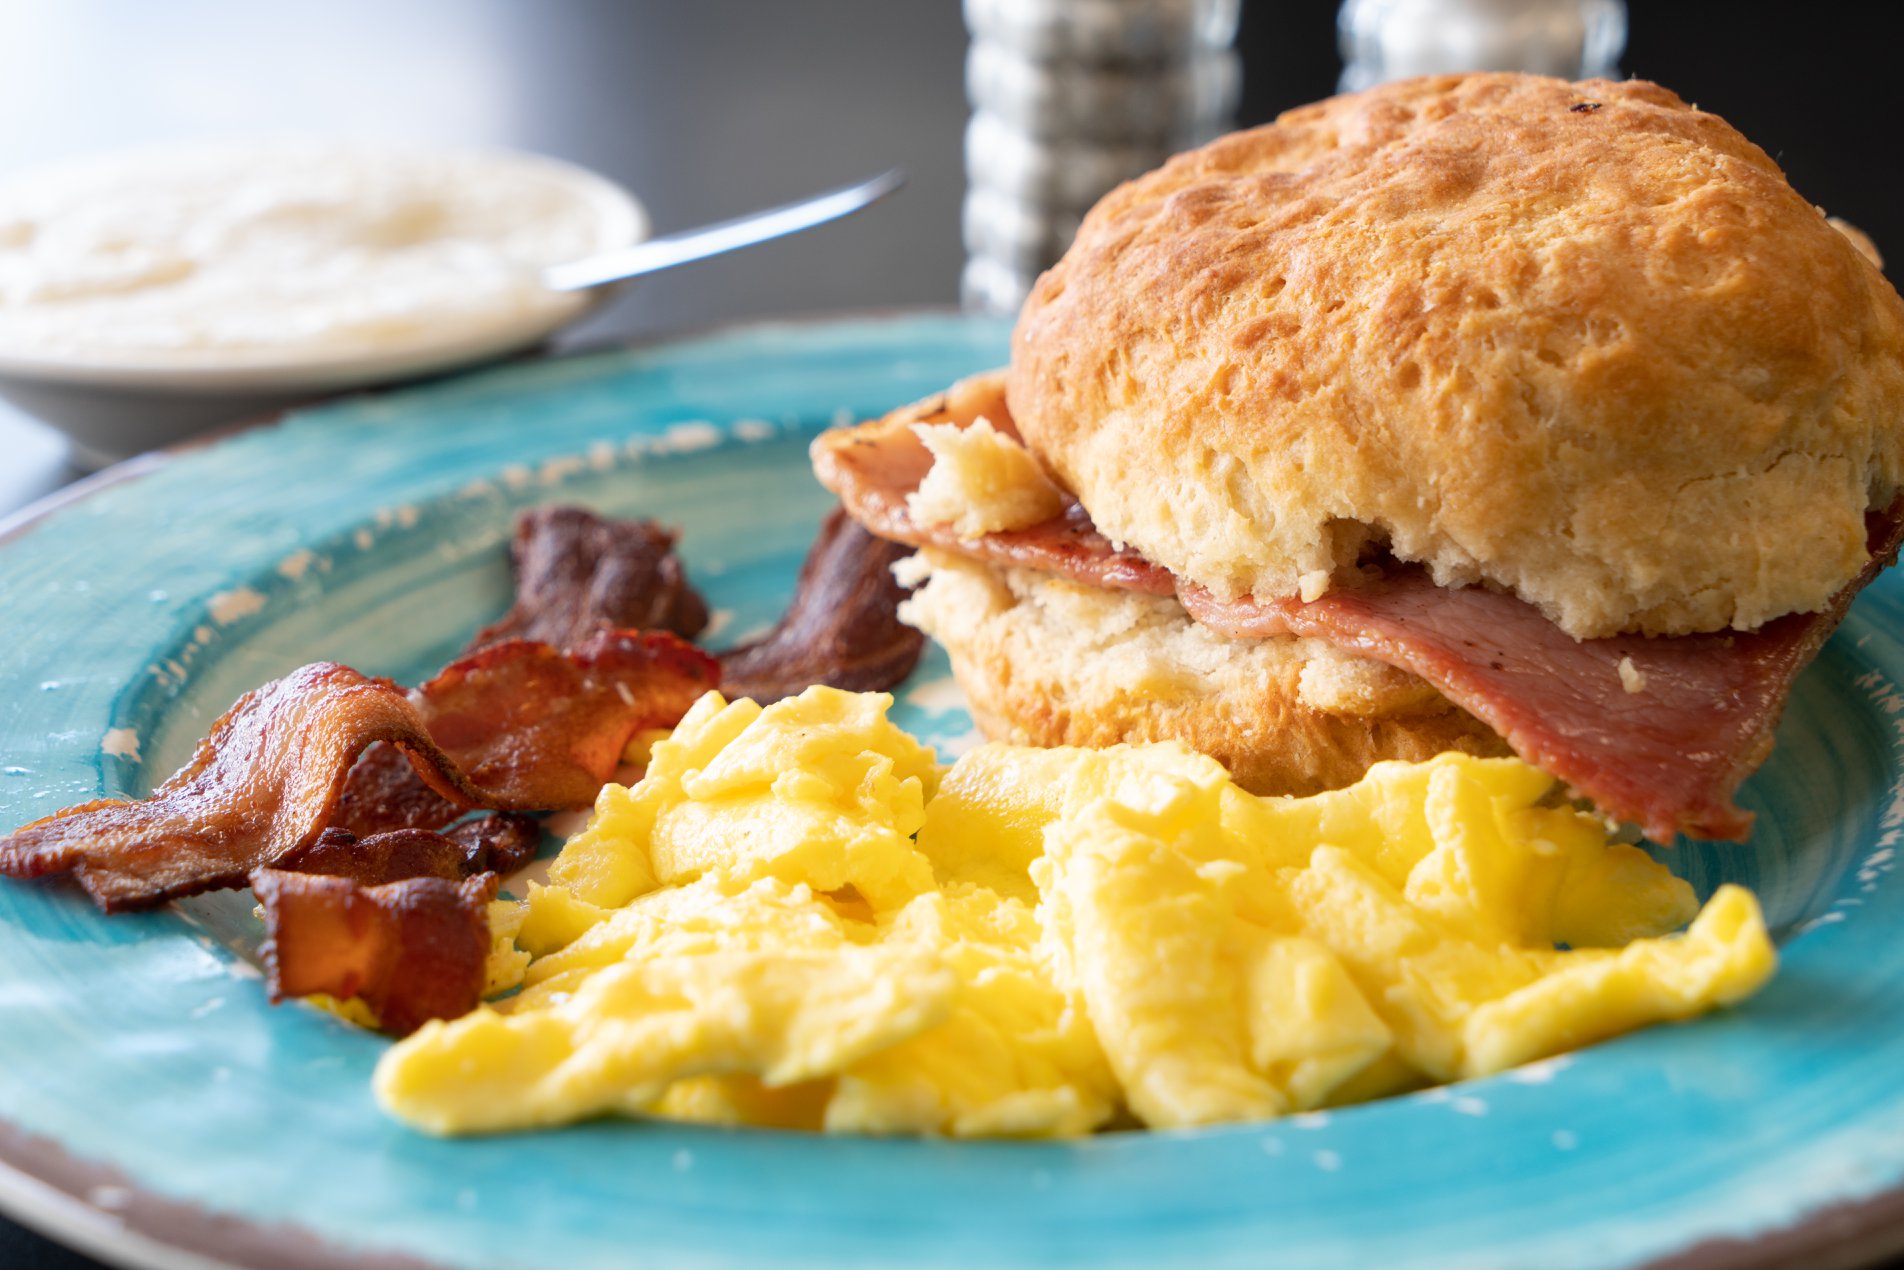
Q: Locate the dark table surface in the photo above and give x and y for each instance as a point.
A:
(710, 108)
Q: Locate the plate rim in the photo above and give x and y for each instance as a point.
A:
(41, 1186)
(35, 1171)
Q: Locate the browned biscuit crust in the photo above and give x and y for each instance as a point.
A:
(1046, 661)
(1579, 340)
(1306, 753)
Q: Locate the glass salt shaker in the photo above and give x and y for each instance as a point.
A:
(1383, 40)
(1070, 97)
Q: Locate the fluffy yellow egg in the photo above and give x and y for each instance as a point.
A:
(797, 919)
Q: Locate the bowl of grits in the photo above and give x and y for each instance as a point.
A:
(148, 294)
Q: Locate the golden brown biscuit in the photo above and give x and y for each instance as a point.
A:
(1046, 661)
(1578, 340)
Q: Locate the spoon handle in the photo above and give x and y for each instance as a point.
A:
(711, 240)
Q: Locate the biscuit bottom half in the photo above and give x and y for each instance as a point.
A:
(1043, 660)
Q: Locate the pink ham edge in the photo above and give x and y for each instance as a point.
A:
(1669, 757)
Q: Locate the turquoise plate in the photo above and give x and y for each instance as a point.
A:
(155, 1109)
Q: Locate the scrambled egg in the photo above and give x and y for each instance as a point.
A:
(798, 919)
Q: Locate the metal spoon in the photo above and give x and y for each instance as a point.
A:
(711, 240)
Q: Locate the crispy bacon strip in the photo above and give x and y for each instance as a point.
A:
(577, 574)
(536, 729)
(389, 918)
(1669, 755)
(516, 727)
(524, 712)
(260, 784)
(499, 843)
(382, 857)
(413, 950)
(842, 629)
(384, 793)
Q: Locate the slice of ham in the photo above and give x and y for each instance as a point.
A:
(1664, 744)
(874, 466)
(517, 726)
(842, 629)
(412, 950)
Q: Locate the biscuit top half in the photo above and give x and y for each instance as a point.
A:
(1578, 340)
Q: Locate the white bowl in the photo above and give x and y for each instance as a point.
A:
(116, 402)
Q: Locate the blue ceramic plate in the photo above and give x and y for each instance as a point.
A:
(153, 1106)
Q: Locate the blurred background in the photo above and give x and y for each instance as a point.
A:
(710, 108)
(713, 108)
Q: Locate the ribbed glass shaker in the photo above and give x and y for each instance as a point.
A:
(1382, 40)
(1070, 97)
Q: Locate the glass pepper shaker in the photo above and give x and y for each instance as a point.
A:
(1383, 40)
(1070, 97)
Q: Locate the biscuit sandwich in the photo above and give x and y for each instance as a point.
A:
(1486, 412)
